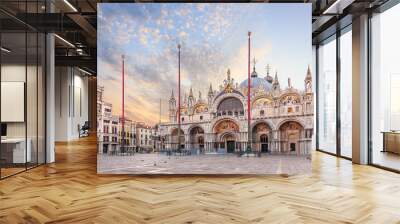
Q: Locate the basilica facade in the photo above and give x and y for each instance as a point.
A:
(281, 119)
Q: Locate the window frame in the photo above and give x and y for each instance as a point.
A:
(333, 37)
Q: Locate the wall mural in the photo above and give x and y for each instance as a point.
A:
(226, 126)
(200, 108)
(218, 73)
(262, 102)
(291, 125)
(262, 127)
(290, 99)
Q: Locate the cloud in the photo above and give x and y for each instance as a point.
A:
(153, 76)
(213, 39)
(239, 63)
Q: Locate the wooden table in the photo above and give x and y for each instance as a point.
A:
(391, 141)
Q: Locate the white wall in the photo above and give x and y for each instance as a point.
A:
(16, 73)
(11, 73)
(61, 103)
(33, 126)
(71, 103)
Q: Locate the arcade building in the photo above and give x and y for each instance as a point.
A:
(281, 118)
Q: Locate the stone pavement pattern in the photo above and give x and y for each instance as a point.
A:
(203, 164)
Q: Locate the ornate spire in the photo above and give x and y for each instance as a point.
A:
(191, 92)
(276, 81)
(275, 84)
(172, 95)
(308, 80)
(210, 95)
(308, 76)
(254, 73)
(268, 77)
(228, 82)
(210, 90)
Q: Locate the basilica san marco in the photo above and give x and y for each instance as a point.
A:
(281, 118)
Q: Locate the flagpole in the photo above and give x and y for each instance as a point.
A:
(248, 98)
(179, 97)
(123, 100)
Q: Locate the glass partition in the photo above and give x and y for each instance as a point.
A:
(346, 93)
(327, 95)
(385, 89)
(13, 94)
(22, 88)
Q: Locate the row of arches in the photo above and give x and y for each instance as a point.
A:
(237, 100)
(233, 105)
(291, 136)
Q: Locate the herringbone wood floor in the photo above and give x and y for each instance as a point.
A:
(70, 191)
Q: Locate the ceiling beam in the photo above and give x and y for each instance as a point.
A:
(78, 61)
(86, 26)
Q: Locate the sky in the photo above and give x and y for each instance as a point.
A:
(213, 39)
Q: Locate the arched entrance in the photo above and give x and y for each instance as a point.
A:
(264, 142)
(261, 135)
(290, 136)
(229, 141)
(201, 142)
(226, 131)
(174, 139)
(197, 138)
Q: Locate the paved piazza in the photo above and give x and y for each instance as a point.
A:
(202, 164)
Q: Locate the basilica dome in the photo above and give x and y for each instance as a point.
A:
(256, 82)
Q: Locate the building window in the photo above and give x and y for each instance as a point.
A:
(261, 113)
(201, 117)
(230, 104)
